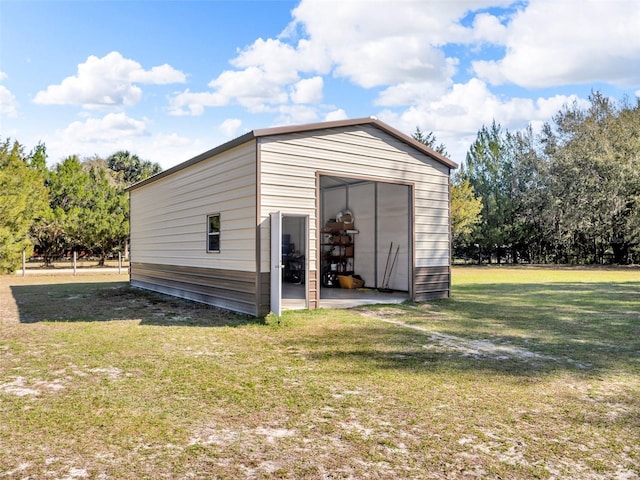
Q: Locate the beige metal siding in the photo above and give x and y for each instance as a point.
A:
(432, 282)
(289, 163)
(169, 216)
(228, 289)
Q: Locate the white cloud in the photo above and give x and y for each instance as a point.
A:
(456, 117)
(253, 88)
(388, 61)
(552, 43)
(379, 43)
(546, 108)
(193, 103)
(97, 136)
(371, 43)
(116, 131)
(488, 28)
(161, 75)
(170, 140)
(281, 61)
(411, 93)
(308, 90)
(230, 127)
(112, 127)
(333, 115)
(106, 82)
(8, 102)
(296, 114)
(265, 71)
(169, 149)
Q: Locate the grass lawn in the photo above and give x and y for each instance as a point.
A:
(523, 373)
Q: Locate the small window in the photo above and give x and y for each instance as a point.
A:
(213, 233)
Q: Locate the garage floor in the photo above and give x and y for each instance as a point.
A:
(293, 297)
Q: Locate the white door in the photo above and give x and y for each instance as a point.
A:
(276, 263)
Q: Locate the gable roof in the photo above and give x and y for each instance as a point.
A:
(269, 132)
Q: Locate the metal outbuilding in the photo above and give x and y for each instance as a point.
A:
(254, 224)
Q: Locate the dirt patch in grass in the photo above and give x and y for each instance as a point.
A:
(104, 298)
(465, 347)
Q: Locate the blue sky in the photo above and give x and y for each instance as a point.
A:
(170, 79)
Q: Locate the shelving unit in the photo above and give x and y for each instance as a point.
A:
(338, 256)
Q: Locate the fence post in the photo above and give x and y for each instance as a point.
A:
(24, 262)
(119, 263)
(74, 263)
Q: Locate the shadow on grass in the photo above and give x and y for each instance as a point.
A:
(369, 349)
(98, 302)
(523, 330)
(515, 329)
(590, 313)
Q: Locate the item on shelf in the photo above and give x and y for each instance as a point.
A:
(330, 280)
(345, 216)
(340, 239)
(333, 227)
(350, 281)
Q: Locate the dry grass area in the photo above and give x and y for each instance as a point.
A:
(524, 373)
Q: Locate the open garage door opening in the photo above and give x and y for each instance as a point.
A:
(365, 236)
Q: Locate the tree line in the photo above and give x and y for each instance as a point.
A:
(76, 205)
(568, 194)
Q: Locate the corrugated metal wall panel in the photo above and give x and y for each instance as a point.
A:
(432, 258)
(169, 216)
(356, 141)
(432, 225)
(351, 164)
(432, 282)
(228, 289)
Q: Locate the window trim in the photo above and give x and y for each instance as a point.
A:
(210, 234)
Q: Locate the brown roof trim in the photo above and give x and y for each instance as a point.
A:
(268, 132)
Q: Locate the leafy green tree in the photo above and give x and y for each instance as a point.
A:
(595, 178)
(105, 225)
(69, 200)
(37, 159)
(429, 139)
(466, 211)
(49, 234)
(90, 207)
(489, 168)
(47, 231)
(23, 197)
(130, 168)
(530, 228)
(568, 194)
